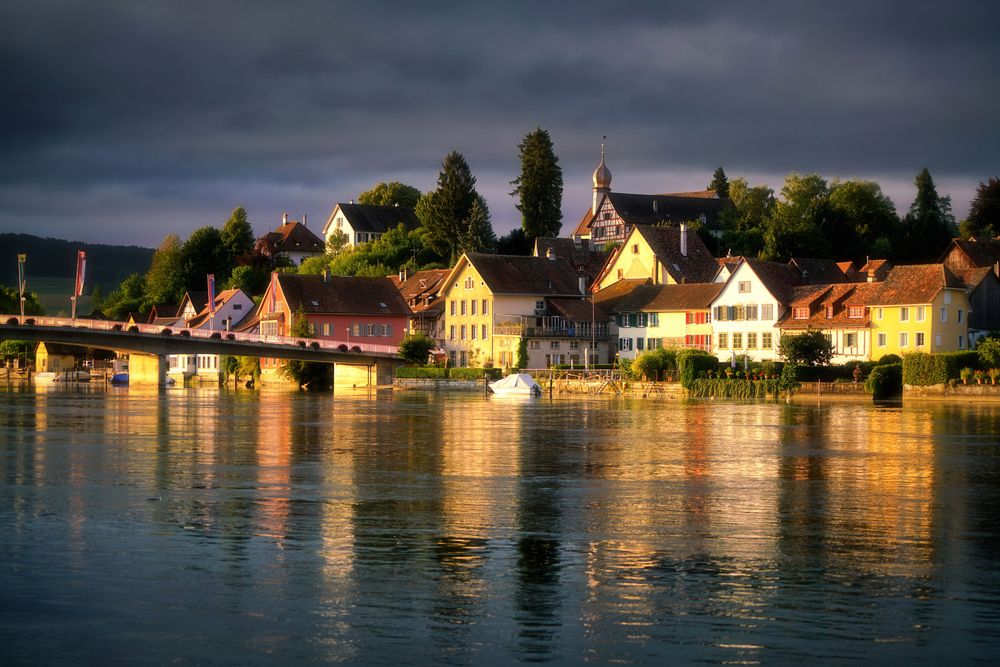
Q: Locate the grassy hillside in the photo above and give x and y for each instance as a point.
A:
(107, 265)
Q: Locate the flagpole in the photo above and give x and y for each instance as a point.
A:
(21, 282)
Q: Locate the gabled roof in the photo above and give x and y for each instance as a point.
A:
(839, 296)
(204, 315)
(699, 266)
(293, 236)
(164, 311)
(627, 296)
(60, 349)
(624, 295)
(673, 208)
(198, 301)
(779, 279)
(881, 267)
(372, 218)
(584, 258)
(980, 253)
(519, 274)
(422, 284)
(575, 310)
(915, 284)
(972, 278)
(339, 295)
(819, 271)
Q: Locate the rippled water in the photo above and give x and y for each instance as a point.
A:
(207, 526)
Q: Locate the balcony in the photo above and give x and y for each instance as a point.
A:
(560, 329)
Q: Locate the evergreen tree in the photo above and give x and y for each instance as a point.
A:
(128, 297)
(984, 211)
(202, 254)
(745, 222)
(237, 239)
(720, 184)
(444, 212)
(929, 226)
(799, 220)
(514, 243)
(479, 236)
(539, 187)
(390, 194)
(165, 279)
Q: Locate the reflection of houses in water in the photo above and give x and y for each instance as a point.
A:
(274, 448)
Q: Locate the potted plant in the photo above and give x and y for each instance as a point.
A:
(965, 374)
(980, 375)
(994, 374)
(856, 374)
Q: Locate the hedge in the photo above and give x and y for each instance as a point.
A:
(473, 373)
(922, 369)
(441, 373)
(885, 381)
(421, 372)
(704, 387)
(692, 364)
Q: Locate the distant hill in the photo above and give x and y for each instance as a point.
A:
(48, 259)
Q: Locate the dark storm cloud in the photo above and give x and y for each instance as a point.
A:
(132, 119)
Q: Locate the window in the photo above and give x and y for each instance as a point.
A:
(326, 328)
(881, 340)
(947, 298)
(470, 282)
(751, 311)
(744, 287)
(451, 357)
(765, 341)
(639, 342)
(937, 340)
(850, 340)
(534, 344)
(904, 314)
(767, 311)
(451, 333)
(357, 329)
(723, 341)
(621, 274)
(642, 319)
(574, 345)
(452, 307)
(800, 313)
(919, 339)
(475, 305)
(486, 307)
(237, 306)
(624, 344)
(539, 306)
(652, 343)
(484, 332)
(829, 312)
(371, 330)
(961, 342)
(635, 248)
(463, 332)
(473, 331)
(959, 316)
(737, 341)
(654, 319)
(878, 313)
(856, 312)
(463, 309)
(554, 345)
(751, 341)
(904, 339)
(944, 314)
(921, 313)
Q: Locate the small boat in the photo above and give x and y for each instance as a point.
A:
(516, 384)
(119, 379)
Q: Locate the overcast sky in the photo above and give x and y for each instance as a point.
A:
(124, 121)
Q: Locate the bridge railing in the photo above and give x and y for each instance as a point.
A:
(329, 344)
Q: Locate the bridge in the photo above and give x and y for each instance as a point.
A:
(150, 345)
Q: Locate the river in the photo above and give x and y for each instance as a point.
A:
(213, 526)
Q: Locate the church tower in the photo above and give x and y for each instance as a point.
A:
(602, 181)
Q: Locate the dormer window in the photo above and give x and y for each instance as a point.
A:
(829, 312)
(800, 313)
(856, 312)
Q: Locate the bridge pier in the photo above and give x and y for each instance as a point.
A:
(147, 369)
(380, 373)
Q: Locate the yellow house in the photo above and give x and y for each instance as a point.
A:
(663, 255)
(919, 308)
(492, 302)
(52, 357)
(652, 316)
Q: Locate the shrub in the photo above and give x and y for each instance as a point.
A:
(989, 352)
(692, 364)
(922, 369)
(718, 388)
(789, 380)
(473, 373)
(421, 372)
(809, 348)
(414, 349)
(889, 359)
(885, 381)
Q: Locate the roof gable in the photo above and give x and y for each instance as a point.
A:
(373, 218)
(341, 295)
(915, 284)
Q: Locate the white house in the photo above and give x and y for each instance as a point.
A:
(231, 307)
(744, 313)
(365, 222)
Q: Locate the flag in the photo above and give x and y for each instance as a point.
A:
(81, 269)
(211, 293)
(21, 282)
(274, 291)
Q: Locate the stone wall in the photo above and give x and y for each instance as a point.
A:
(957, 392)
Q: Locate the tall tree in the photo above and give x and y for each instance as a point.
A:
(202, 254)
(390, 194)
(165, 279)
(746, 221)
(539, 187)
(799, 220)
(128, 297)
(444, 212)
(237, 239)
(929, 226)
(479, 236)
(862, 220)
(984, 211)
(720, 184)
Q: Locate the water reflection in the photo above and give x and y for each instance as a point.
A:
(456, 529)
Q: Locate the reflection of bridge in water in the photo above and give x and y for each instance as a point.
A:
(150, 345)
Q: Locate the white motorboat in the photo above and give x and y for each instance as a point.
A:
(516, 384)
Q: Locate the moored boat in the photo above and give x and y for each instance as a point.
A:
(516, 384)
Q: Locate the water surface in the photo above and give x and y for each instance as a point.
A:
(199, 525)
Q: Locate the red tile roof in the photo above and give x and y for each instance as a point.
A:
(416, 289)
(914, 284)
(628, 296)
(838, 296)
(293, 236)
(699, 266)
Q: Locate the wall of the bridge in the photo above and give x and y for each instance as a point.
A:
(381, 373)
(147, 369)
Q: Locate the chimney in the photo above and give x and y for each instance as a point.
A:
(871, 275)
(684, 239)
(284, 219)
(304, 224)
(326, 275)
(404, 273)
(654, 206)
(549, 253)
